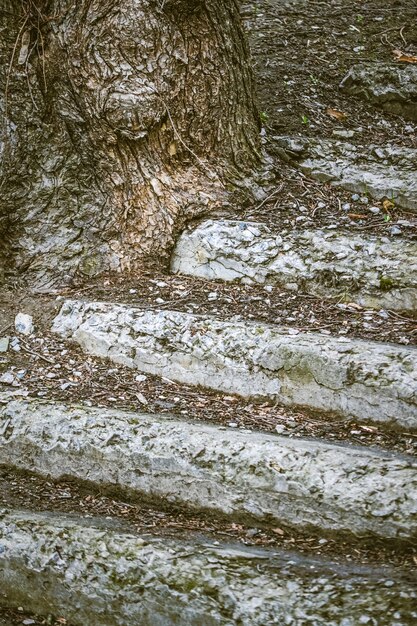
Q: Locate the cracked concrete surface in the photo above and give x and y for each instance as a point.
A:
(310, 485)
(363, 379)
(372, 271)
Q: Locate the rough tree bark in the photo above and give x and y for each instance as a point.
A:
(120, 119)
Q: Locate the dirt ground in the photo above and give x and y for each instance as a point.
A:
(302, 49)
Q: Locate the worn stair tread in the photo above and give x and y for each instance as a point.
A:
(389, 85)
(368, 380)
(93, 573)
(381, 171)
(371, 271)
(305, 484)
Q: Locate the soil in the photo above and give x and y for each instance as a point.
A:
(14, 617)
(301, 50)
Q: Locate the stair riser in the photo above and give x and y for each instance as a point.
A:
(308, 485)
(366, 380)
(96, 576)
(376, 171)
(367, 270)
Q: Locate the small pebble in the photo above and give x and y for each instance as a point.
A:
(23, 323)
(346, 206)
(15, 344)
(394, 230)
(280, 428)
(375, 210)
(355, 197)
(4, 344)
(292, 286)
(212, 296)
(233, 424)
(7, 378)
(344, 134)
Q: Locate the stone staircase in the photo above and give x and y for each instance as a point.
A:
(115, 512)
(94, 569)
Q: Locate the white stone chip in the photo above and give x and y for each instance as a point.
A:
(24, 324)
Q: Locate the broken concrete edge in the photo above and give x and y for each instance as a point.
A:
(305, 484)
(95, 575)
(366, 380)
(372, 271)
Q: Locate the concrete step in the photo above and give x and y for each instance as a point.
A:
(388, 85)
(372, 381)
(305, 484)
(371, 271)
(93, 573)
(382, 172)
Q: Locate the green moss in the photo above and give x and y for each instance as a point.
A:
(386, 283)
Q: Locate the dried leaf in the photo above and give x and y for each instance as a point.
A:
(368, 429)
(403, 57)
(141, 398)
(388, 205)
(354, 305)
(278, 531)
(357, 216)
(337, 115)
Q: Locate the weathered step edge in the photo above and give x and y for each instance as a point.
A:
(372, 271)
(308, 485)
(93, 575)
(393, 86)
(371, 381)
(381, 172)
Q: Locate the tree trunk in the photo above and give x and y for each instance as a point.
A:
(120, 120)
